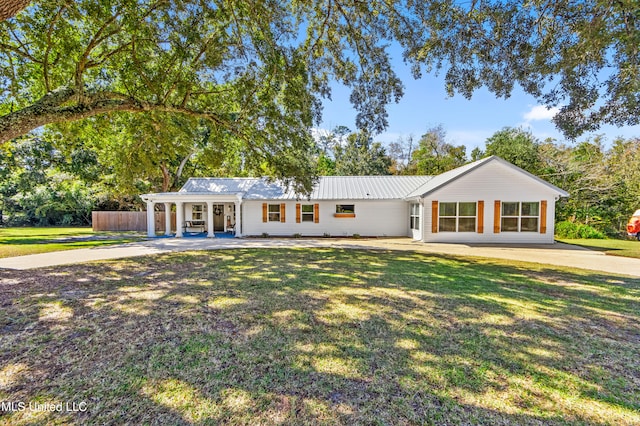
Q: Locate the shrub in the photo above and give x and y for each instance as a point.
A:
(296, 235)
(326, 235)
(567, 229)
(265, 235)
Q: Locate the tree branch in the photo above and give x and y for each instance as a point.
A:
(54, 108)
(45, 61)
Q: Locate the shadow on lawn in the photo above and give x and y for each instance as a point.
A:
(321, 336)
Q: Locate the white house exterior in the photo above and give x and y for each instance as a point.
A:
(488, 201)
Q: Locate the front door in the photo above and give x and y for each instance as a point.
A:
(218, 217)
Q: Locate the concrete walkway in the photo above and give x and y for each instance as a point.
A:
(557, 254)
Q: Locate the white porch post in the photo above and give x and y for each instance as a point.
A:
(238, 219)
(179, 218)
(151, 219)
(167, 218)
(210, 230)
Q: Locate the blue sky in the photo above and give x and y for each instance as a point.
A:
(467, 122)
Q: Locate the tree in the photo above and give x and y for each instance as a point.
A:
(9, 8)
(517, 146)
(259, 69)
(584, 171)
(434, 155)
(241, 65)
(360, 156)
(623, 164)
(38, 186)
(582, 56)
(401, 152)
(476, 154)
(326, 165)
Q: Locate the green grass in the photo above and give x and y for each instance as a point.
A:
(324, 336)
(626, 248)
(23, 241)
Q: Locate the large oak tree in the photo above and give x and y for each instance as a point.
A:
(258, 69)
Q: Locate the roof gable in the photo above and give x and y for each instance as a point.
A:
(446, 178)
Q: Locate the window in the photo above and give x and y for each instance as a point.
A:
(414, 218)
(274, 212)
(197, 212)
(520, 216)
(307, 213)
(345, 208)
(457, 217)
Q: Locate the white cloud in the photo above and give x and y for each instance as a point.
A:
(540, 112)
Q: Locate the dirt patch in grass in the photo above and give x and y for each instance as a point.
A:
(319, 336)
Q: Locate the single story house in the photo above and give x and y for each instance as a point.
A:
(487, 201)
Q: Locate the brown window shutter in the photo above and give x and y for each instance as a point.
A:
(282, 211)
(298, 219)
(480, 217)
(264, 212)
(496, 216)
(434, 217)
(316, 213)
(543, 217)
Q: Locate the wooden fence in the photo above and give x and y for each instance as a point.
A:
(127, 221)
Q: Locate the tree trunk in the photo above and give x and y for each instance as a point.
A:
(166, 178)
(9, 8)
(181, 166)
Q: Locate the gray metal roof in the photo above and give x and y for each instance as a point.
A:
(222, 186)
(343, 187)
(448, 177)
(366, 187)
(327, 187)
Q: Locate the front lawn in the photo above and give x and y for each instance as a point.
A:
(626, 248)
(33, 240)
(322, 336)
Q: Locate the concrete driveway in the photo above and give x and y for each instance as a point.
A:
(556, 254)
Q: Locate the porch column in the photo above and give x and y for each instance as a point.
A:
(210, 233)
(238, 220)
(151, 219)
(167, 218)
(179, 218)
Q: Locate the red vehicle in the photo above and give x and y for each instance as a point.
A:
(633, 227)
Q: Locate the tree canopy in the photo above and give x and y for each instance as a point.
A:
(517, 146)
(361, 156)
(259, 69)
(434, 155)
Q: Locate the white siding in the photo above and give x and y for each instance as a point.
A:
(373, 218)
(188, 211)
(493, 181)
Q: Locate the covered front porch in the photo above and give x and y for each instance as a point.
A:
(196, 214)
